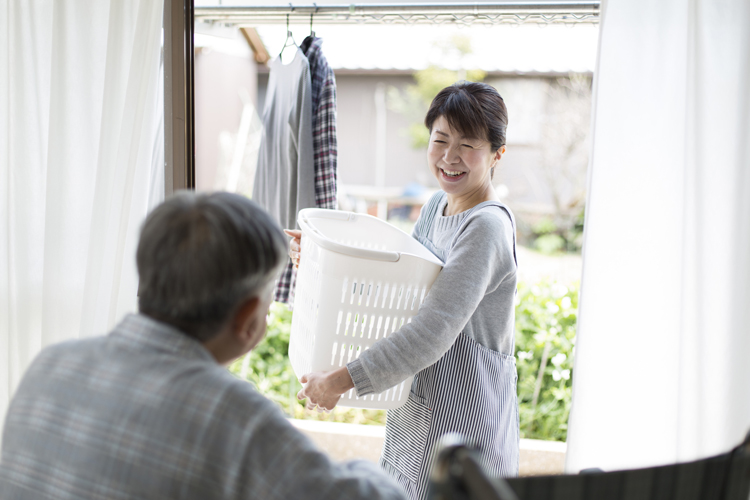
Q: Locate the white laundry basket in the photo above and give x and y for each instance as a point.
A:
(359, 280)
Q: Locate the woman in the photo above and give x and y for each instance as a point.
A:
(460, 344)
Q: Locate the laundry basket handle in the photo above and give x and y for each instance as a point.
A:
(310, 231)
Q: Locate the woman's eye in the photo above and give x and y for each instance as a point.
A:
(439, 141)
(468, 146)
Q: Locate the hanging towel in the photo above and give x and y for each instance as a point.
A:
(285, 177)
(324, 145)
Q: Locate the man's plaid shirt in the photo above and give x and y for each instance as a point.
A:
(324, 145)
(146, 412)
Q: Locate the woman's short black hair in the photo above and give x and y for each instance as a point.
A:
(473, 109)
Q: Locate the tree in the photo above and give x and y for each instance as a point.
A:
(564, 160)
(414, 101)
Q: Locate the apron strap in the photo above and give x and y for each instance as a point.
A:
(513, 225)
(428, 215)
(497, 204)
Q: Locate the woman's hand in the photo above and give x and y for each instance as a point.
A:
(324, 389)
(294, 246)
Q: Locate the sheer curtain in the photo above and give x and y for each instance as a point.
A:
(81, 163)
(662, 369)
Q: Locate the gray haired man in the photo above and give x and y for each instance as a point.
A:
(148, 411)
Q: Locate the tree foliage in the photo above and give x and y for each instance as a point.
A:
(414, 101)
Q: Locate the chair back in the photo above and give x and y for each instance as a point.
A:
(458, 475)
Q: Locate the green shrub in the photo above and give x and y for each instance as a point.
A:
(546, 316)
(545, 323)
(552, 237)
(550, 244)
(268, 368)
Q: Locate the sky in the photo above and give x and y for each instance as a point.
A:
(527, 48)
(503, 48)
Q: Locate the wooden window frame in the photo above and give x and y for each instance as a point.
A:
(179, 96)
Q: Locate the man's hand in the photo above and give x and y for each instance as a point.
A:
(294, 245)
(324, 389)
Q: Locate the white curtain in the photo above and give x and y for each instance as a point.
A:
(81, 163)
(662, 370)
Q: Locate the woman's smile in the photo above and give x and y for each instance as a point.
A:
(452, 175)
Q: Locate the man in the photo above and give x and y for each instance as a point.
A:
(148, 411)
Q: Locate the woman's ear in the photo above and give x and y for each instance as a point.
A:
(498, 154)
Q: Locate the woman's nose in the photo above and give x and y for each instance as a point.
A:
(451, 156)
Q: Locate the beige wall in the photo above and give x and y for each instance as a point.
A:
(219, 79)
(521, 170)
(357, 135)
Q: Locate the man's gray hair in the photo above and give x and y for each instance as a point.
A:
(200, 256)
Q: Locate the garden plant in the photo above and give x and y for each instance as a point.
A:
(546, 316)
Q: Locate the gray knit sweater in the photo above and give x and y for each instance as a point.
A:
(474, 293)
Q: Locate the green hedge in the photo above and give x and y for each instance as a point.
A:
(546, 316)
(545, 336)
(268, 368)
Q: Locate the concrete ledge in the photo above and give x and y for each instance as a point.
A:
(539, 458)
(344, 441)
(349, 441)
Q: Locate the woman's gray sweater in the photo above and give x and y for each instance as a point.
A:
(474, 293)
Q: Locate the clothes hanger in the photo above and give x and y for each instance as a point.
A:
(309, 39)
(288, 37)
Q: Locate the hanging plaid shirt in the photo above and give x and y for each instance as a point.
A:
(324, 146)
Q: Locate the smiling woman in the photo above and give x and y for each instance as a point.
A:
(467, 124)
(459, 346)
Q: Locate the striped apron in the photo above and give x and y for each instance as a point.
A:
(471, 390)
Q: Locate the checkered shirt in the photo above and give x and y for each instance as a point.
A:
(146, 412)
